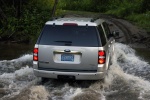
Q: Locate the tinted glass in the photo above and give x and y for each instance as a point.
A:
(69, 36)
(102, 35)
(106, 28)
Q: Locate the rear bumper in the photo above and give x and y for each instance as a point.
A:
(77, 75)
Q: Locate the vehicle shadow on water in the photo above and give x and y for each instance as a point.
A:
(73, 83)
(74, 89)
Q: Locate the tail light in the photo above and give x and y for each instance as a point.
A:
(35, 54)
(70, 24)
(101, 57)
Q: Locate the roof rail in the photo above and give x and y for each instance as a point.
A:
(94, 19)
(54, 18)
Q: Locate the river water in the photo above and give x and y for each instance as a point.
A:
(128, 79)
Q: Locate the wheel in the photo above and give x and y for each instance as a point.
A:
(109, 64)
(44, 80)
(107, 71)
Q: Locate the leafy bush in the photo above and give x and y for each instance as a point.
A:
(26, 28)
(25, 25)
(134, 10)
(141, 19)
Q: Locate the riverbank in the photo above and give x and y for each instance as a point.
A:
(14, 50)
(130, 34)
(135, 36)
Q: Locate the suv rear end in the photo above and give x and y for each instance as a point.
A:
(71, 48)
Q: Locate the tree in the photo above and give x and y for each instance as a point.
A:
(2, 14)
(54, 8)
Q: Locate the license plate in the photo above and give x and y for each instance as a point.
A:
(67, 57)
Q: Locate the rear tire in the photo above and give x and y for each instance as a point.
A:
(44, 80)
(107, 71)
(109, 64)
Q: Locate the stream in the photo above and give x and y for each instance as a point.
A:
(128, 78)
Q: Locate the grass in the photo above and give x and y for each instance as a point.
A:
(141, 20)
(80, 13)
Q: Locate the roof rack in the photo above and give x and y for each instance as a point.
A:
(94, 19)
(54, 18)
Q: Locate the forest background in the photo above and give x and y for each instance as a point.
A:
(22, 20)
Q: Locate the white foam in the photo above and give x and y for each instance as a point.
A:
(17, 81)
(38, 93)
(126, 58)
(136, 83)
(125, 65)
(21, 72)
(88, 94)
(25, 57)
(124, 62)
(77, 92)
(66, 92)
(9, 66)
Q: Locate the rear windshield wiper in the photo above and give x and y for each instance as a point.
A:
(64, 41)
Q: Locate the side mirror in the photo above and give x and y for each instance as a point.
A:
(115, 33)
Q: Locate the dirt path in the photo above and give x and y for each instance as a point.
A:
(129, 34)
(134, 36)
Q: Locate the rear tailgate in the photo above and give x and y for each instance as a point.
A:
(62, 58)
(68, 48)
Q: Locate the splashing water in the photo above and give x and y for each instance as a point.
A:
(38, 93)
(125, 80)
(128, 79)
(12, 82)
(131, 63)
(130, 76)
(9, 66)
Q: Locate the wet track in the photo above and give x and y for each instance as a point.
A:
(128, 79)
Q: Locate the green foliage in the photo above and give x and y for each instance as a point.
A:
(78, 13)
(34, 14)
(118, 7)
(82, 5)
(141, 19)
(26, 25)
(134, 10)
(125, 7)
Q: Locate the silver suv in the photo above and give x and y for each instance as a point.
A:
(73, 48)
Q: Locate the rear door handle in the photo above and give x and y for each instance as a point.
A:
(73, 52)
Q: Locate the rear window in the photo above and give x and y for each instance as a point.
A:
(69, 36)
